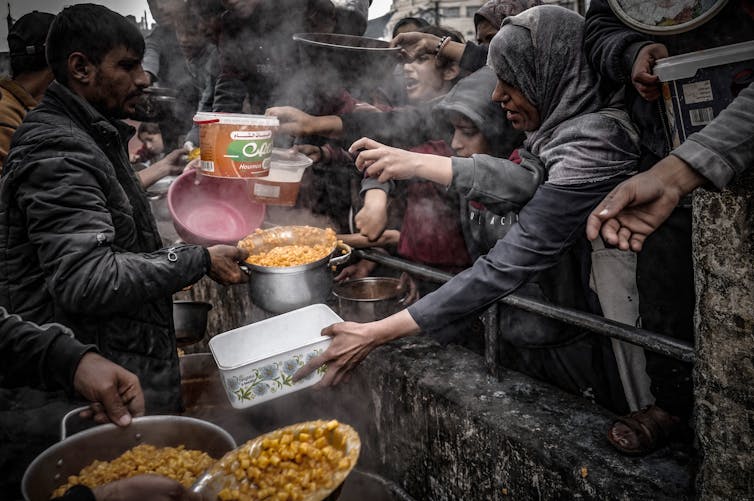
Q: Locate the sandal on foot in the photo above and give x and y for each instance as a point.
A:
(643, 431)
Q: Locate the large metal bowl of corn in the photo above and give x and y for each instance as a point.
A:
(106, 442)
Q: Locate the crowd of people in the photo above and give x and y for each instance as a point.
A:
(529, 160)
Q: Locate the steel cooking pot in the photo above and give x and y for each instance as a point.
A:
(279, 289)
(108, 441)
(369, 299)
(190, 320)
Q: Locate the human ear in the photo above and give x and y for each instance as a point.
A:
(80, 68)
(451, 72)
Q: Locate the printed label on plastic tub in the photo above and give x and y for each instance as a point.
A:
(235, 145)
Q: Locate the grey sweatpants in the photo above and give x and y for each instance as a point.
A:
(613, 279)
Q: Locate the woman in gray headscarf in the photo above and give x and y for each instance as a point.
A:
(581, 150)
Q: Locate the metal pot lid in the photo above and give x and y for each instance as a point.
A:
(665, 17)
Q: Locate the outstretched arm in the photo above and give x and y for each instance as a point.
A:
(387, 163)
(639, 205)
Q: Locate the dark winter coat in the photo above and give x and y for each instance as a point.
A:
(612, 47)
(79, 245)
(40, 356)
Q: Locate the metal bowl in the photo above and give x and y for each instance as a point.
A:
(369, 299)
(351, 58)
(190, 319)
(106, 442)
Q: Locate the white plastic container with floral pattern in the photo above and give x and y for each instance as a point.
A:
(257, 361)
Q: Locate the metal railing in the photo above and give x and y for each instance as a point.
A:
(649, 340)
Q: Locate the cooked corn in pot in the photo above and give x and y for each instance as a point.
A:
(292, 464)
(177, 463)
(289, 254)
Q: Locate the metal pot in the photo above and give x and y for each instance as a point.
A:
(106, 442)
(369, 299)
(348, 58)
(155, 105)
(280, 289)
(190, 319)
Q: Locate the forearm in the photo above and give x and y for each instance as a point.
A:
(675, 174)
(723, 149)
(500, 184)
(394, 327)
(609, 44)
(358, 241)
(435, 168)
(453, 51)
(152, 174)
(105, 281)
(329, 126)
(547, 226)
(39, 356)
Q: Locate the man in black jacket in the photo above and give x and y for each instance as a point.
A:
(78, 242)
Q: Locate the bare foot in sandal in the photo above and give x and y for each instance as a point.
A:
(643, 431)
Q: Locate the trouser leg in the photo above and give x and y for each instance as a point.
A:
(613, 279)
(666, 290)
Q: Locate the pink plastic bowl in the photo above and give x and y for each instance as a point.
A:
(212, 210)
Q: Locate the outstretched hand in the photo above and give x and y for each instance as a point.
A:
(293, 121)
(115, 393)
(385, 162)
(352, 342)
(371, 220)
(350, 345)
(642, 77)
(638, 206)
(415, 44)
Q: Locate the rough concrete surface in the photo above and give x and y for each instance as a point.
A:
(724, 371)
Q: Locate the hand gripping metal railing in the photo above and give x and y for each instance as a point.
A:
(646, 339)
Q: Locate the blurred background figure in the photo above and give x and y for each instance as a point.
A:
(167, 67)
(30, 76)
(152, 147)
(351, 16)
(203, 17)
(409, 24)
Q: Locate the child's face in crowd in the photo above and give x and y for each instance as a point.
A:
(424, 80)
(467, 138)
(152, 142)
(485, 31)
(190, 37)
(522, 114)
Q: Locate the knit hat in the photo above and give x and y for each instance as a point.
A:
(27, 36)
